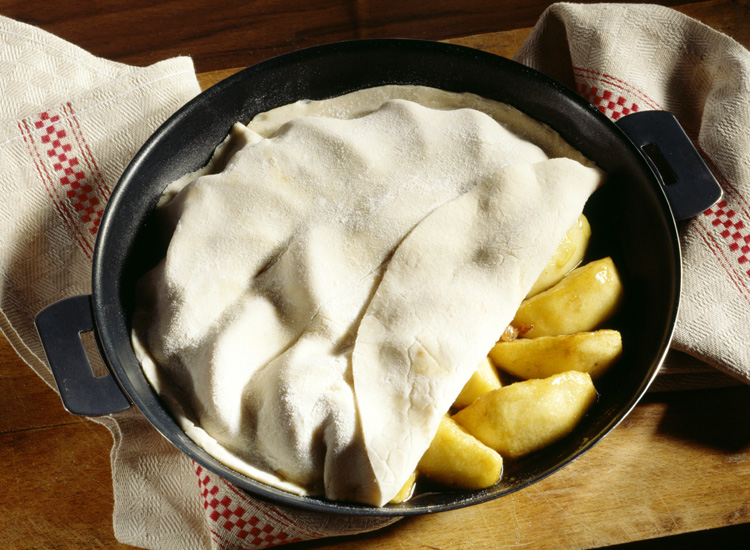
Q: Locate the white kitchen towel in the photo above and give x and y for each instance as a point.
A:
(625, 58)
(69, 124)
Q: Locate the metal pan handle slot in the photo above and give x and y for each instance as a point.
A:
(688, 182)
(60, 326)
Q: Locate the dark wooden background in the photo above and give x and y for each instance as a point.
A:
(225, 34)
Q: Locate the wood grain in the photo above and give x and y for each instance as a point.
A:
(727, 16)
(625, 489)
(57, 495)
(237, 33)
(27, 402)
(679, 463)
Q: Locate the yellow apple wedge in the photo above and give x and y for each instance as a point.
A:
(455, 458)
(484, 379)
(591, 352)
(580, 302)
(567, 256)
(526, 416)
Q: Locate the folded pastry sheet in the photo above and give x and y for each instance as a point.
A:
(338, 270)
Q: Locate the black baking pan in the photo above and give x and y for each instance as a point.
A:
(655, 178)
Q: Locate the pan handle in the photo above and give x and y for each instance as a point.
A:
(689, 184)
(60, 326)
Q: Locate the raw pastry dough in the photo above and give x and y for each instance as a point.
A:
(337, 271)
(449, 291)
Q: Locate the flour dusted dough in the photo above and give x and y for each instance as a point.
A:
(451, 287)
(337, 271)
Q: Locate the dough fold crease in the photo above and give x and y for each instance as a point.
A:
(336, 272)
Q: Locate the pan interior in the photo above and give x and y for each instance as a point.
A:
(629, 216)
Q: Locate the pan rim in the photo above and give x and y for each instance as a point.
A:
(103, 309)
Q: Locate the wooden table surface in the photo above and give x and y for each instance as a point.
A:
(677, 467)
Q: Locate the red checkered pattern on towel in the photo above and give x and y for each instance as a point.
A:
(68, 170)
(608, 102)
(731, 225)
(725, 228)
(239, 522)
